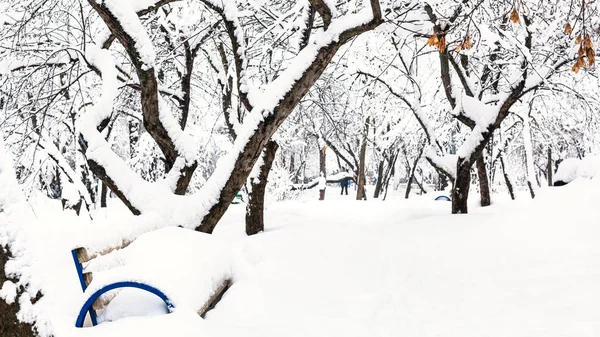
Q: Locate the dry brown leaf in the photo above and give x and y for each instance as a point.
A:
(581, 51)
(442, 43)
(468, 44)
(459, 47)
(514, 16)
(568, 29)
(587, 42)
(591, 56)
(433, 40)
(575, 69)
(578, 39)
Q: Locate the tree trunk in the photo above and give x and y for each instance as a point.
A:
(379, 180)
(443, 181)
(460, 193)
(256, 200)
(322, 168)
(9, 324)
(391, 173)
(293, 168)
(507, 179)
(412, 173)
(531, 191)
(484, 185)
(549, 168)
(322, 161)
(421, 183)
(103, 194)
(528, 155)
(360, 191)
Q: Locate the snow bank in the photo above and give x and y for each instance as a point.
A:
(572, 168)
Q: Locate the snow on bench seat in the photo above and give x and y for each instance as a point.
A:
(189, 267)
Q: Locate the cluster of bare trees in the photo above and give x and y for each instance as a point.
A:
(463, 68)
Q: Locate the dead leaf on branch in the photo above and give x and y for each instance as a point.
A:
(568, 29)
(514, 16)
(433, 41)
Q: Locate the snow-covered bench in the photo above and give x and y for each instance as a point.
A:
(179, 267)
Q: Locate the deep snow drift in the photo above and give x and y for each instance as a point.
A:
(343, 267)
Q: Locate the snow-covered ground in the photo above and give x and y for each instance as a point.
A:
(342, 267)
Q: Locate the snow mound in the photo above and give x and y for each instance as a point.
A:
(572, 168)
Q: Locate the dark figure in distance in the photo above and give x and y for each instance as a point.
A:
(344, 184)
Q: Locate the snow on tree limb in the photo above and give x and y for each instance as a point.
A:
(124, 23)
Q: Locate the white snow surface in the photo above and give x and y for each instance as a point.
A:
(338, 267)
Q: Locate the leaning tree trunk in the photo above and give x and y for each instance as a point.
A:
(507, 179)
(484, 184)
(256, 201)
(379, 180)
(391, 172)
(360, 191)
(412, 173)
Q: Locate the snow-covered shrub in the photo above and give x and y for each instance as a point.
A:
(279, 185)
(572, 168)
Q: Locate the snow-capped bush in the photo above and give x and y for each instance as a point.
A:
(572, 168)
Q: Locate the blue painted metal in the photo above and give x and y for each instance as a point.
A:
(126, 284)
(79, 269)
(443, 197)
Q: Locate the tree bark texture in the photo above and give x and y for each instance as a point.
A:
(379, 180)
(484, 185)
(256, 200)
(360, 191)
(460, 193)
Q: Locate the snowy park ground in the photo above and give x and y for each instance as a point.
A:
(342, 267)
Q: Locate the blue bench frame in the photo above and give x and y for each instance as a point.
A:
(87, 306)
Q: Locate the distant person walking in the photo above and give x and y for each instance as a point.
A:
(344, 183)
